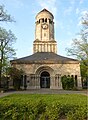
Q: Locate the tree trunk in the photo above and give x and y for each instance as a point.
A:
(1, 62)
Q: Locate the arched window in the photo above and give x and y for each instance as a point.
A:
(76, 81)
(39, 20)
(50, 21)
(42, 19)
(46, 20)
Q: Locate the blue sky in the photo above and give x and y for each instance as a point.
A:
(67, 17)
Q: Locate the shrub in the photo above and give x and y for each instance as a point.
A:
(43, 107)
(15, 75)
(67, 82)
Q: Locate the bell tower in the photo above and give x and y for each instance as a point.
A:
(44, 33)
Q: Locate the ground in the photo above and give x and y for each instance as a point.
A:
(45, 91)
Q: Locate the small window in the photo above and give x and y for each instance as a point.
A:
(46, 20)
(25, 79)
(50, 21)
(76, 80)
(21, 82)
(42, 19)
(39, 20)
(72, 76)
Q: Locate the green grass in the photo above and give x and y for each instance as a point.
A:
(43, 107)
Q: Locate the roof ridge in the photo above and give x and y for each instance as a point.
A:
(43, 10)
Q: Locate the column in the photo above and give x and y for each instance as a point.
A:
(52, 47)
(51, 82)
(55, 48)
(36, 48)
(57, 81)
(32, 80)
(60, 83)
(23, 82)
(39, 48)
(37, 85)
(38, 81)
(79, 82)
(42, 47)
(45, 47)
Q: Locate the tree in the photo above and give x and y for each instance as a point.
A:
(7, 38)
(4, 16)
(79, 47)
(15, 75)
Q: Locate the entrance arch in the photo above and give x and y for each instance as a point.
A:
(45, 79)
(45, 75)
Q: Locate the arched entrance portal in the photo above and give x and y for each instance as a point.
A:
(45, 80)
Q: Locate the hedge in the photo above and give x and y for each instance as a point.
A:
(43, 107)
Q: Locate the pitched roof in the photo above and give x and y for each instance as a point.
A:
(45, 10)
(44, 57)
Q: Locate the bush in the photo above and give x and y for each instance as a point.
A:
(43, 107)
(15, 75)
(67, 82)
(4, 83)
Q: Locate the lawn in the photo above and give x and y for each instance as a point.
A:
(43, 107)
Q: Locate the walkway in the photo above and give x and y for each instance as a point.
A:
(45, 91)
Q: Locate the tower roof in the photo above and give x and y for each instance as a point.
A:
(45, 10)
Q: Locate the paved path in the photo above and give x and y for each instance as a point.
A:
(45, 91)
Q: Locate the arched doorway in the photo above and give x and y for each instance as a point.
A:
(45, 80)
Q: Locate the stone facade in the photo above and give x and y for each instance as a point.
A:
(44, 68)
(33, 73)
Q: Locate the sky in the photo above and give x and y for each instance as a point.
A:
(67, 17)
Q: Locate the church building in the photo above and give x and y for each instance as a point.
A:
(44, 68)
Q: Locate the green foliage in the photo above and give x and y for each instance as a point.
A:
(43, 107)
(79, 47)
(5, 84)
(79, 114)
(84, 73)
(7, 38)
(67, 82)
(15, 75)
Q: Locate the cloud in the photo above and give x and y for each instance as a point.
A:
(48, 4)
(81, 1)
(14, 3)
(68, 10)
(72, 2)
(61, 25)
(17, 3)
(77, 11)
